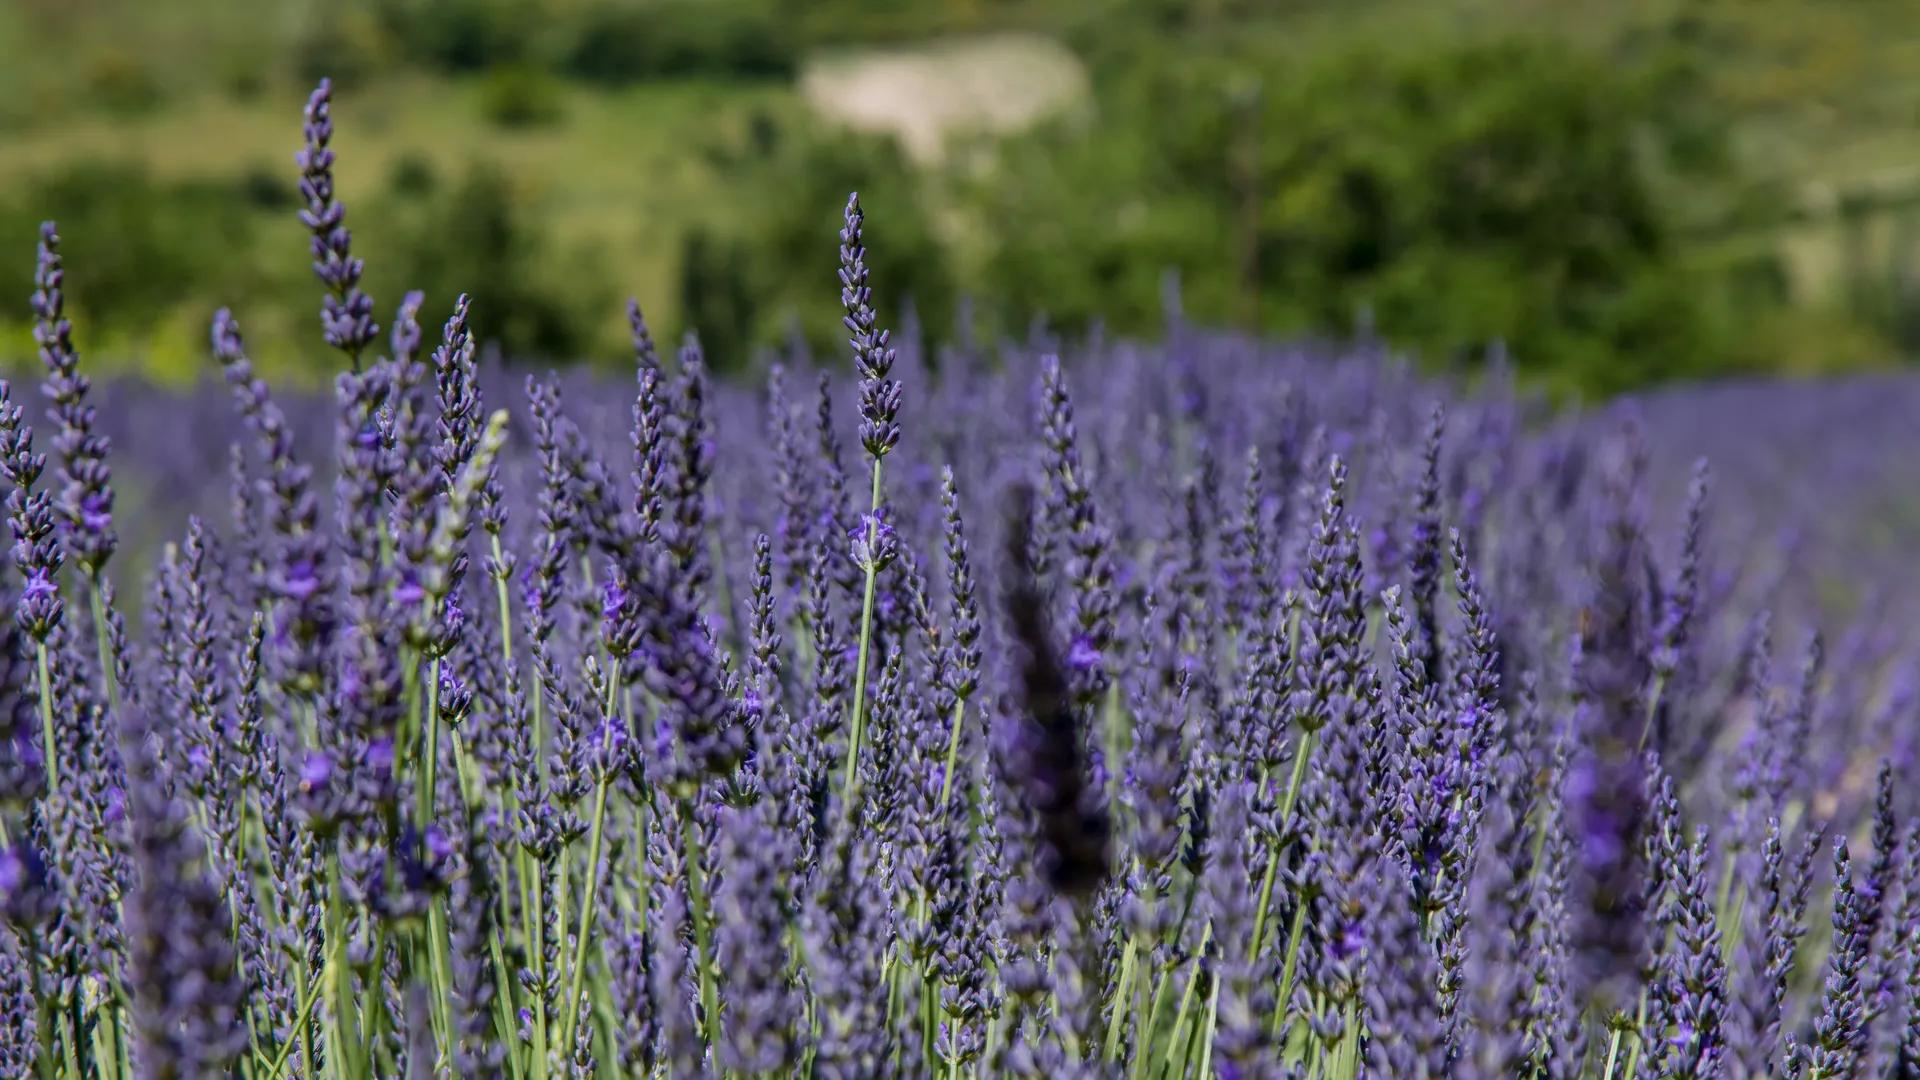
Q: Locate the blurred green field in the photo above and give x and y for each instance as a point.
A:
(614, 177)
(574, 152)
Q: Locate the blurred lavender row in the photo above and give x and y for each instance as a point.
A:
(1205, 707)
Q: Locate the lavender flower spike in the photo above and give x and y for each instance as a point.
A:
(1839, 1031)
(86, 494)
(346, 316)
(872, 352)
(879, 432)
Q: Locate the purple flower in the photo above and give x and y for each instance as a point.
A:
(37, 551)
(347, 315)
(27, 897)
(1839, 1030)
(96, 514)
(873, 542)
(613, 599)
(39, 586)
(438, 846)
(300, 581)
(315, 772)
(86, 497)
(408, 592)
(379, 755)
(1083, 655)
(873, 352)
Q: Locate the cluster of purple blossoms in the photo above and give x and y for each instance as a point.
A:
(1344, 724)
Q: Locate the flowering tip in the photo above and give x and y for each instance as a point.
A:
(315, 772)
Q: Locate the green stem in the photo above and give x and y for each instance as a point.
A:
(1653, 710)
(503, 1004)
(43, 1023)
(464, 773)
(866, 640)
(1288, 970)
(586, 913)
(301, 1020)
(536, 944)
(991, 1045)
(563, 914)
(1639, 1025)
(1176, 1046)
(430, 764)
(1350, 1049)
(71, 1044)
(1118, 1021)
(506, 612)
(507, 797)
(928, 1036)
(1118, 735)
(114, 1036)
(504, 986)
(927, 982)
(953, 753)
(1613, 1054)
(439, 953)
(1206, 1034)
(697, 896)
(1273, 844)
(304, 1024)
(51, 749)
(106, 1046)
(347, 1042)
(539, 723)
(99, 606)
(892, 971)
(1158, 998)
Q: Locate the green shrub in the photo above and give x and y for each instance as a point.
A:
(617, 41)
(264, 188)
(520, 96)
(465, 35)
(145, 245)
(412, 176)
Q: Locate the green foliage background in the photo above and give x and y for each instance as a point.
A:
(1619, 194)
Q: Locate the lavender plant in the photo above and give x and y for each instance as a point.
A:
(586, 734)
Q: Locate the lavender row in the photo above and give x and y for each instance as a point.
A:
(1205, 708)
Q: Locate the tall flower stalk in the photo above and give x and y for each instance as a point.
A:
(879, 432)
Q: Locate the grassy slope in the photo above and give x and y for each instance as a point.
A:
(619, 172)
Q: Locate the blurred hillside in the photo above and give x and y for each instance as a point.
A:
(1620, 193)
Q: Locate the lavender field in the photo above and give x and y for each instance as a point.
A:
(1204, 707)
